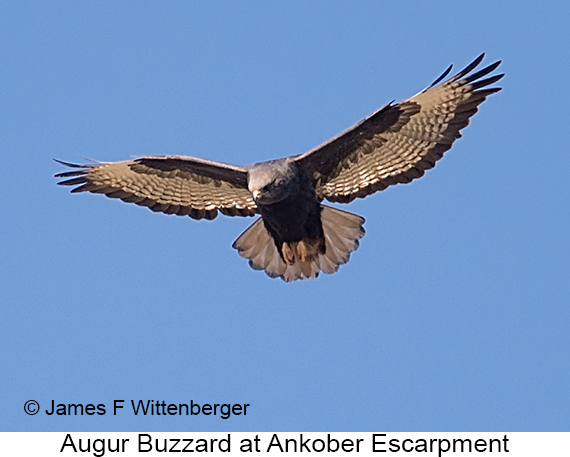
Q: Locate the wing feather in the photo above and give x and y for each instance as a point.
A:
(398, 142)
(185, 186)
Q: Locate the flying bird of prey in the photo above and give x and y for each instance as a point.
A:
(297, 236)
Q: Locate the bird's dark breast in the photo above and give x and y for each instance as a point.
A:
(293, 219)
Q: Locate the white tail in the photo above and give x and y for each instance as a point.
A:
(342, 231)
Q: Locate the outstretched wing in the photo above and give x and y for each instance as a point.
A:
(173, 185)
(397, 143)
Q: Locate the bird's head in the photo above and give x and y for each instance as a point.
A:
(271, 182)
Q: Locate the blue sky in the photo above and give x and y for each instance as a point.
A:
(452, 316)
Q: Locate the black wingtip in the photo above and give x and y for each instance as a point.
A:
(469, 67)
(440, 78)
(466, 71)
(68, 164)
(68, 174)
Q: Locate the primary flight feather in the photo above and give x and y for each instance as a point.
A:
(297, 236)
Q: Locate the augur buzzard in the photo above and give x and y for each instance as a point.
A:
(296, 236)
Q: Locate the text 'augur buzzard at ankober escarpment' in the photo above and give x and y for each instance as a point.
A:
(296, 236)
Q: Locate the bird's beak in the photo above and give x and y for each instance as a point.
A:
(256, 193)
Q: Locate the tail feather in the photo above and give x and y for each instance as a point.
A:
(342, 230)
(336, 247)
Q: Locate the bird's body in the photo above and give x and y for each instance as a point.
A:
(297, 236)
(289, 207)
